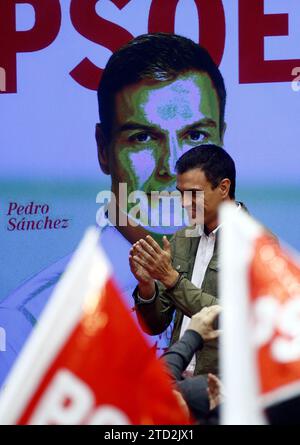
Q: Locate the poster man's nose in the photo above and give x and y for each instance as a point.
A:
(170, 155)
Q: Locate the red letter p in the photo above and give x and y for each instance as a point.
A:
(44, 31)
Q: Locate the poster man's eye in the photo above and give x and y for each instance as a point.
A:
(142, 137)
(196, 135)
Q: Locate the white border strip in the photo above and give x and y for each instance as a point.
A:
(56, 323)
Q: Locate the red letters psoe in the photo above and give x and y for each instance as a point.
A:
(254, 25)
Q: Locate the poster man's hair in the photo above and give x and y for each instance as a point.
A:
(158, 57)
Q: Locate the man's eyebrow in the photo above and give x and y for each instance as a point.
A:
(196, 189)
(206, 122)
(135, 126)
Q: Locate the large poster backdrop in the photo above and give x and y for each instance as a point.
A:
(52, 56)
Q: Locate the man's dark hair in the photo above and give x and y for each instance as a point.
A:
(156, 57)
(213, 160)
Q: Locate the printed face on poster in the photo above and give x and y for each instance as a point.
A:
(53, 56)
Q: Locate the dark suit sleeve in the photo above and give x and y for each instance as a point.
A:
(193, 389)
(180, 354)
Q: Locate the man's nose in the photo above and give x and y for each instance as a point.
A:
(167, 161)
(186, 199)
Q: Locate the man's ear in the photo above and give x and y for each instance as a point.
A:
(102, 150)
(224, 187)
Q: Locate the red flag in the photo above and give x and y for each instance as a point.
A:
(260, 295)
(87, 362)
(275, 295)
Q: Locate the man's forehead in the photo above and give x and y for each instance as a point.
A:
(194, 178)
(189, 97)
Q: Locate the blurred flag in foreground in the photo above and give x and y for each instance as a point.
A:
(260, 295)
(86, 362)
